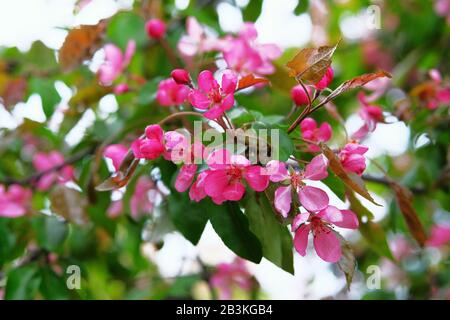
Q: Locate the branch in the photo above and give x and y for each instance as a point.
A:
(386, 182)
(35, 177)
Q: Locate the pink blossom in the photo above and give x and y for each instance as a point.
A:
(326, 243)
(326, 79)
(229, 275)
(197, 191)
(121, 88)
(440, 235)
(442, 8)
(155, 28)
(315, 134)
(370, 114)
(400, 247)
(170, 93)
(115, 62)
(47, 162)
(352, 157)
(196, 40)
(245, 55)
(151, 146)
(224, 180)
(115, 209)
(299, 95)
(212, 97)
(437, 94)
(311, 198)
(14, 201)
(116, 152)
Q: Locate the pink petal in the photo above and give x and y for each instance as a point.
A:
(301, 239)
(327, 245)
(227, 102)
(219, 159)
(215, 112)
(324, 132)
(256, 178)
(154, 132)
(197, 191)
(308, 124)
(185, 177)
(234, 191)
(283, 199)
(129, 52)
(216, 183)
(277, 171)
(299, 220)
(199, 100)
(312, 198)
(229, 82)
(136, 148)
(206, 81)
(116, 152)
(317, 168)
(11, 210)
(341, 218)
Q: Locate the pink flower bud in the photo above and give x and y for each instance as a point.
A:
(155, 28)
(299, 95)
(181, 76)
(326, 80)
(121, 88)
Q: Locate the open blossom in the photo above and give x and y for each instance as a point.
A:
(326, 243)
(370, 114)
(196, 40)
(115, 62)
(224, 180)
(116, 152)
(170, 93)
(311, 198)
(326, 79)
(48, 161)
(211, 97)
(315, 134)
(14, 201)
(245, 55)
(440, 236)
(352, 158)
(229, 275)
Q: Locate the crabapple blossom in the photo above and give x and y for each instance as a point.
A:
(196, 40)
(299, 96)
(151, 146)
(228, 275)
(314, 134)
(440, 236)
(47, 162)
(181, 76)
(326, 243)
(370, 114)
(311, 198)
(115, 62)
(352, 157)
(14, 201)
(215, 99)
(245, 55)
(170, 93)
(224, 180)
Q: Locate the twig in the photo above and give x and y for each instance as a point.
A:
(386, 182)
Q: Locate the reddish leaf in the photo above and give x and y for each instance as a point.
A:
(69, 203)
(250, 80)
(311, 64)
(12, 90)
(404, 200)
(356, 82)
(120, 178)
(80, 44)
(347, 262)
(351, 179)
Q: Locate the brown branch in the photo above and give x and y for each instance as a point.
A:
(386, 182)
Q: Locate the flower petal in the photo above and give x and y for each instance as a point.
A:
(185, 177)
(277, 171)
(234, 191)
(317, 168)
(206, 81)
(312, 198)
(283, 199)
(327, 245)
(256, 178)
(301, 239)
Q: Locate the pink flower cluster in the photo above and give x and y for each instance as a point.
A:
(115, 62)
(228, 276)
(14, 201)
(370, 114)
(300, 96)
(47, 162)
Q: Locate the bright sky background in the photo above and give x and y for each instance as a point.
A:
(24, 21)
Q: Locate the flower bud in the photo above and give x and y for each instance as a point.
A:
(181, 76)
(299, 95)
(155, 28)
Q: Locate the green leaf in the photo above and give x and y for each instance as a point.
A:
(275, 238)
(283, 147)
(125, 26)
(336, 185)
(7, 242)
(50, 232)
(49, 96)
(22, 283)
(189, 217)
(252, 10)
(233, 228)
(301, 7)
(52, 286)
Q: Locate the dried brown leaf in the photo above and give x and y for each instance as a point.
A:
(250, 80)
(68, 203)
